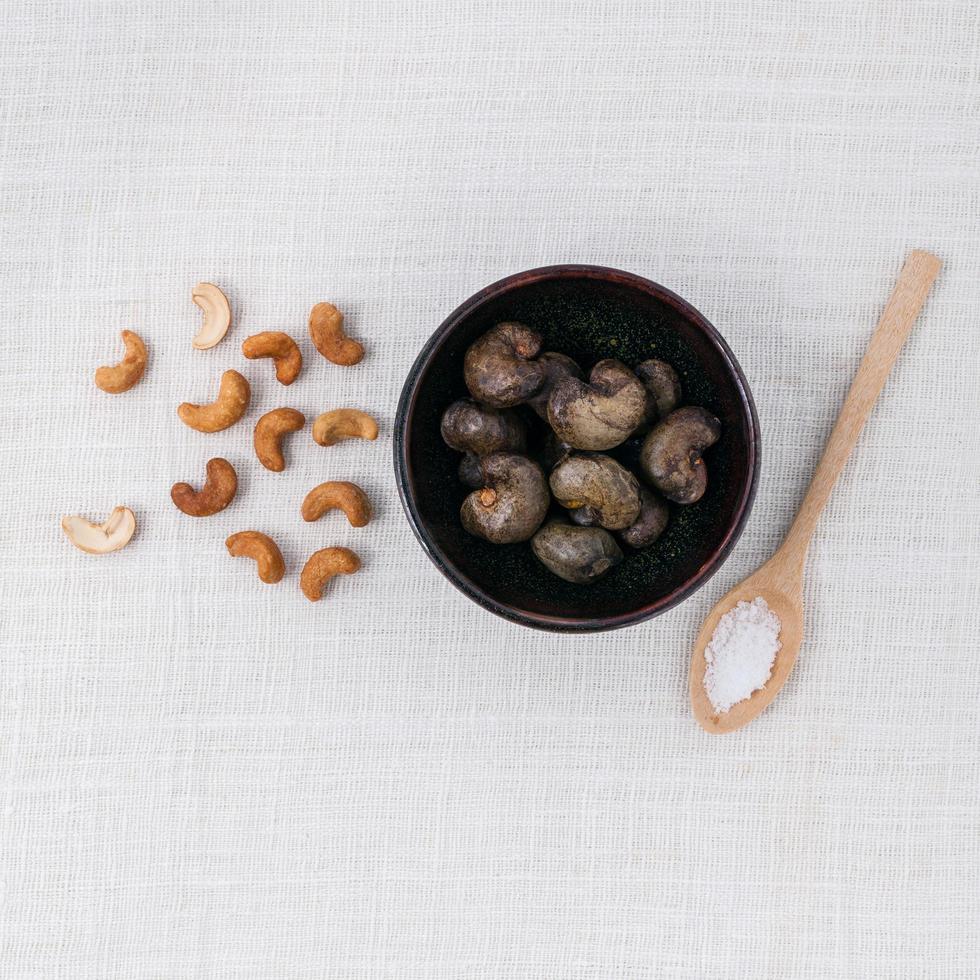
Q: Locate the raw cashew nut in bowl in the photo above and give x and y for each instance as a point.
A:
(576, 554)
(338, 495)
(269, 431)
(322, 566)
(217, 314)
(327, 334)
(343, 423)
(671, 455)
(121, 377)
(281, 348)
(500, 369)
(663, 388)
(233, 398)
(597, 482)
(601, 414)
(512, 502)
(217, 493)
(264, 551)
(100, 539)
(650, 523)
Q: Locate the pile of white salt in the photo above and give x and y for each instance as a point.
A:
(741, 653)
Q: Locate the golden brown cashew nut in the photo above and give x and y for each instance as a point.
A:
(281, 348)
(217, 314)
(233, 397)
(322, 566)
(217, 493)
(269, 431)
(100, 539)
(343, 423)
(261, 548)
(338, 495)
(121, 377)
(327, 334)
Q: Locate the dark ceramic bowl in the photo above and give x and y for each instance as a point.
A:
(588, 313)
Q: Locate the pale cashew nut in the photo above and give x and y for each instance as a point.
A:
(217, 493)
(322, 566)
(344, 423)
(217, 314)
(281, 348)
(262, 549)
(327, 334)
(233, 397)
(100, 539)
(121, 377)
(338, 495)
(269, 431)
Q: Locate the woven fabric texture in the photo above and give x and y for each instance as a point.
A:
(206, 777)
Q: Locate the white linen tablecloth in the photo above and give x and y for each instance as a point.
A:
(207, 777)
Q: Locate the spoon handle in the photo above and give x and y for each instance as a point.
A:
(903, 306)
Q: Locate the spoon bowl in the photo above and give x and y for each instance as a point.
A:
(782, 589)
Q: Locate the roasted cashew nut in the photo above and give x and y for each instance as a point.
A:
(217, 493)
(601, 414)
(281, 348)
(327, 334)
(233, 397)
(269, 431)
(343, 423)
(217, 314)
(338, 495)
(121, 377)
(671, 454)
(100, 539)
(599, 483)
(322, 566)
(262, 549)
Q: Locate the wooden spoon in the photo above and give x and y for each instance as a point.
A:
(780, 580)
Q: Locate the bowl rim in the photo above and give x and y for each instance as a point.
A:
(404, 478)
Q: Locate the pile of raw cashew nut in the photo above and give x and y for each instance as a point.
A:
(326, 327)
(511, 497)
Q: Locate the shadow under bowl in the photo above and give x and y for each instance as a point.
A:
(588, 313)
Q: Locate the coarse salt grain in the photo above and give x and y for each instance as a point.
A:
(741, 653)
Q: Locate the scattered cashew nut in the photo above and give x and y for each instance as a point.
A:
(121, 377)
(233, 397)
(327, 334)
(281, 348)
(338, 495)
(100, 539)
(217, 493)
(322, 566)
(343, 423)
(217, 314)
(269, 431)
(261, 548)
